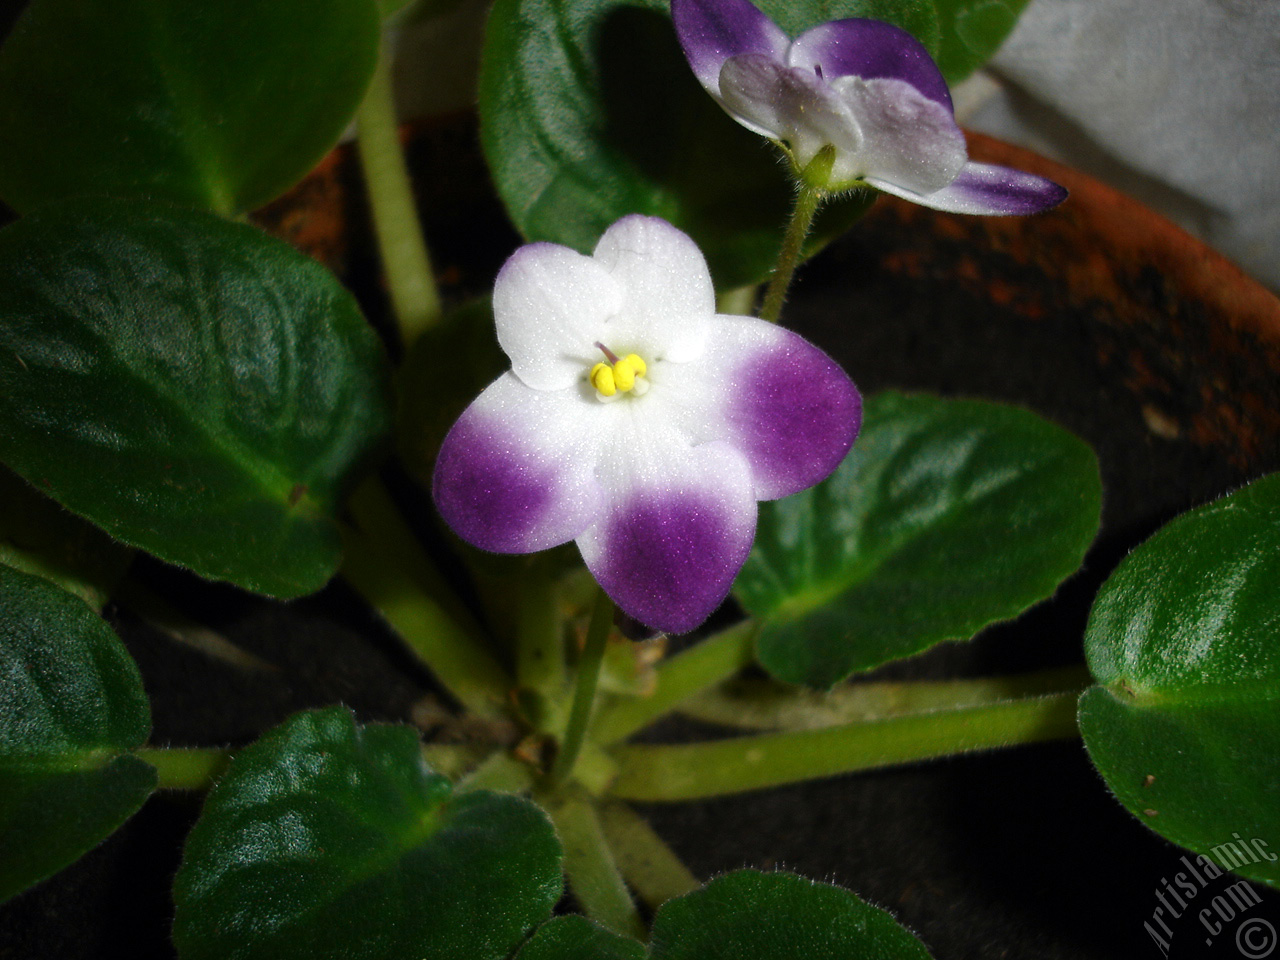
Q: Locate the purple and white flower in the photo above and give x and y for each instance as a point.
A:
(639, 422)
(867, 89)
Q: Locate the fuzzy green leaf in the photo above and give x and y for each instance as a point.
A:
(1182, 640)
(196, 388)
(947, 516)
(328, 839)
(971, 33)
(777, 916)
(220, 104)
(71, 708)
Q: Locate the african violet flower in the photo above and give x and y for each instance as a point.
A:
(639, 422)
(866, 88)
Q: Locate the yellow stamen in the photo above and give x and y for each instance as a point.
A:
(602, 378)
(618, 376)
(624, 375)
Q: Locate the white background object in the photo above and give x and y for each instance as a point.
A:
(1176, 102)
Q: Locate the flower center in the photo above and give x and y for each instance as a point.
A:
(614, 378)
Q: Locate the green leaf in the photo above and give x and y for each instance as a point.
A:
(764, 916)
(577, 938)
(71, 707)
(947, 516)
(971, 33)
(328, 839)
(1184, 726)
(38, 536)
(917, 17)
(193, 386)
(777, 916)
(217, 103)
(589, 112)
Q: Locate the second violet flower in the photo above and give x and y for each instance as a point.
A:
(639, 422)
(866, 89)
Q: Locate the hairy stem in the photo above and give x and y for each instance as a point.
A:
(588, 863)
(737, 764)
(415, 301)
(757, 703)
(648, 864)
(499, 772)
(810, 191)
(704, 664)
(387, 566)
(584, 693)
(186, 768)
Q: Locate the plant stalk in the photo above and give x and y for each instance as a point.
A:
(415, 299)
(702, 665)
(584, 694)
(811, 190)
(539, 635)
(737, 764)
(388, 567)
(588, 863)
(186, 768)
(648, 864)
(760, 704)
(499, 772)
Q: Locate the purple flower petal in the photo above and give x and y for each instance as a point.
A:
(791, 410)
(982, 188)
(514, 474)
(711, 31)
(908, 140)
(872, 50)
(668, 553)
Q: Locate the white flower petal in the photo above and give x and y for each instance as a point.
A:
(789, 104)
(658, 486)
(909, 140)
(668, 297)
(550, 305)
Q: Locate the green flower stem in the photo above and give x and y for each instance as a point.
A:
(811, 189)
(648, 864)
(584, 694)
(388, 567)
(159, 614)
(702, 665)
(762, 704)
(186, 768)
(455, 760)
(415, 301)
(738, 302)
(588, 863)
(737, 764)
(539, 633)
(500, 772)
